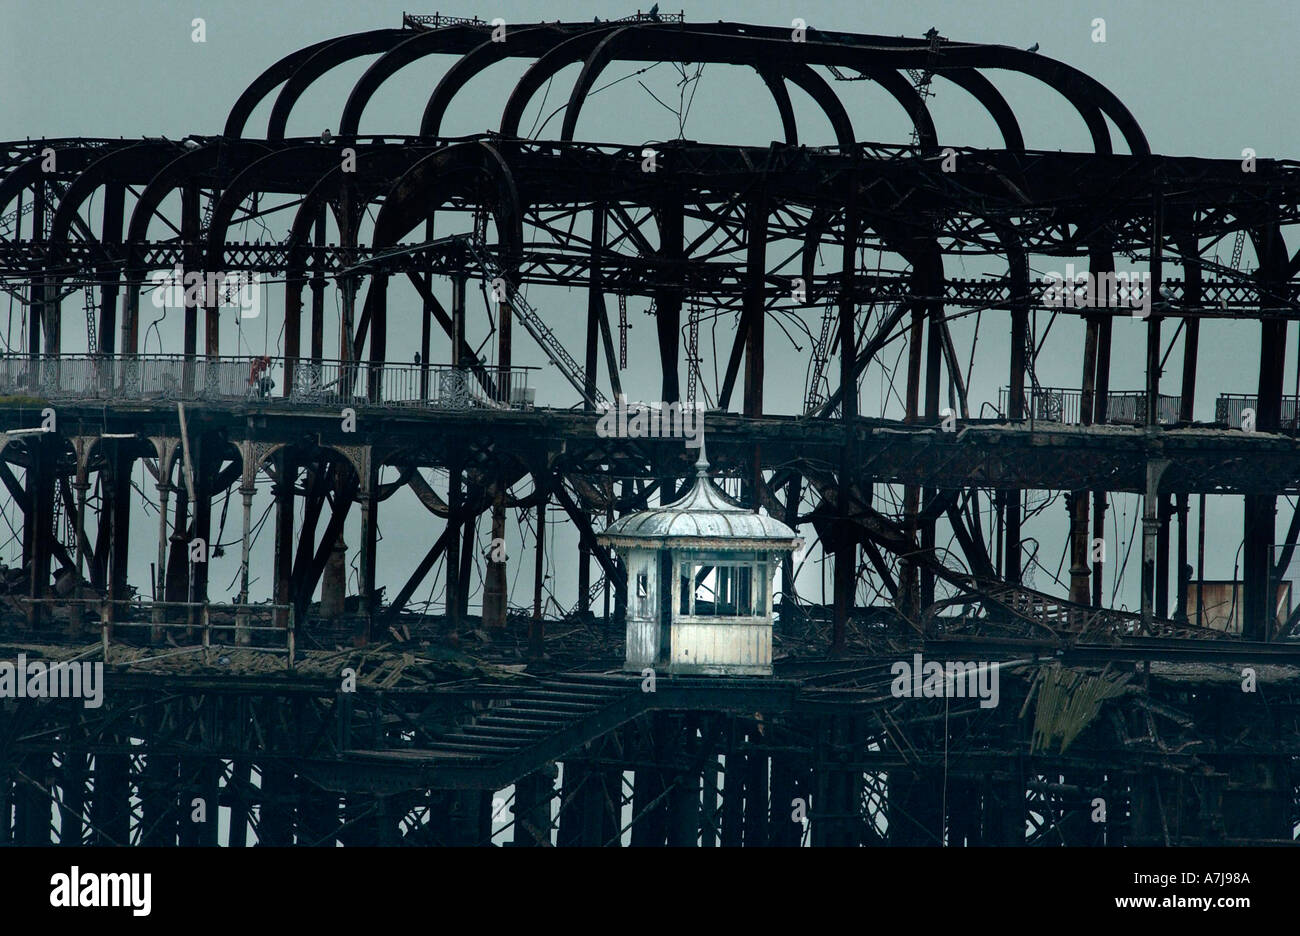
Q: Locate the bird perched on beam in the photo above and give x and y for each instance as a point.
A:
(1032, 48)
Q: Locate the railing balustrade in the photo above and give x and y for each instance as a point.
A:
(1061, 405)
(1229, 410)
(249, 379)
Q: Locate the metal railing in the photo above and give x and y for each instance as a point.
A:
(150, 619)
(1229, 409)
(1060, 405)
(244, 379)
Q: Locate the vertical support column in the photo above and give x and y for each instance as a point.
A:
(683, 809)
(165, 449)
(733, 789)
(1150, 529)
(1018, 264)
(709, 814)
(455, 514)
(348, 284)
(581, 813)
(286, 479)
(246, 490)
(933, 373)
(789, 593)
(426, 319)
(1165, 512)
(36, 288)
(368, 495)
(1100, 407)
(494, 577)
(595, 299)
(178, 569)
(317, 297)
(1200, 561)
(649, 804)
(668, 299)
(73, 770)
(756, 795)
(536, 629)
(120, 479)
(1004, 817)
(534, 795)
(293, 287)
(839, 784)
(909, 590)
(81, 487)
(1259, 600)
(469, 533)
(1077, 506)
(32, 824)
(159, 784)
(1077, 501)
(40, 518)
(206, 462)
(457, 318)
(846, 549)
(783, 828)
(190, 222)
(377, 299)
(110, 806)
(1153, 321)
(755, 315)
(114, 200)
(1184, 571)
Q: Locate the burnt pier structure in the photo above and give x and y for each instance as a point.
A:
(323, 703)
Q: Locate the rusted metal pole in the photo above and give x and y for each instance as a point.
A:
(536, 630)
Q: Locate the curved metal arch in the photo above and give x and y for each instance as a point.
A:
(991, 99)
(263, 175)
(824, 96)
(409, 201)
(1086, 94)
(969, 80)
(183, 168)
(323, 60)
(894, 52)
(373, 167)
(524, 41)
(25, 175)
(265, 83)
(415, 196)
(456, 77)
(138, 162)
(550, 64)
(607, 50)
(775, 82)
(585, 45)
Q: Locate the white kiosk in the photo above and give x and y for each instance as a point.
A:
(699, 583)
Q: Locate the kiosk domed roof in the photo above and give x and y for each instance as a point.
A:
(704, 516)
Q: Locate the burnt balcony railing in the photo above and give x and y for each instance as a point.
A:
(143, 377)
(1229, 410)
(1060, 405)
